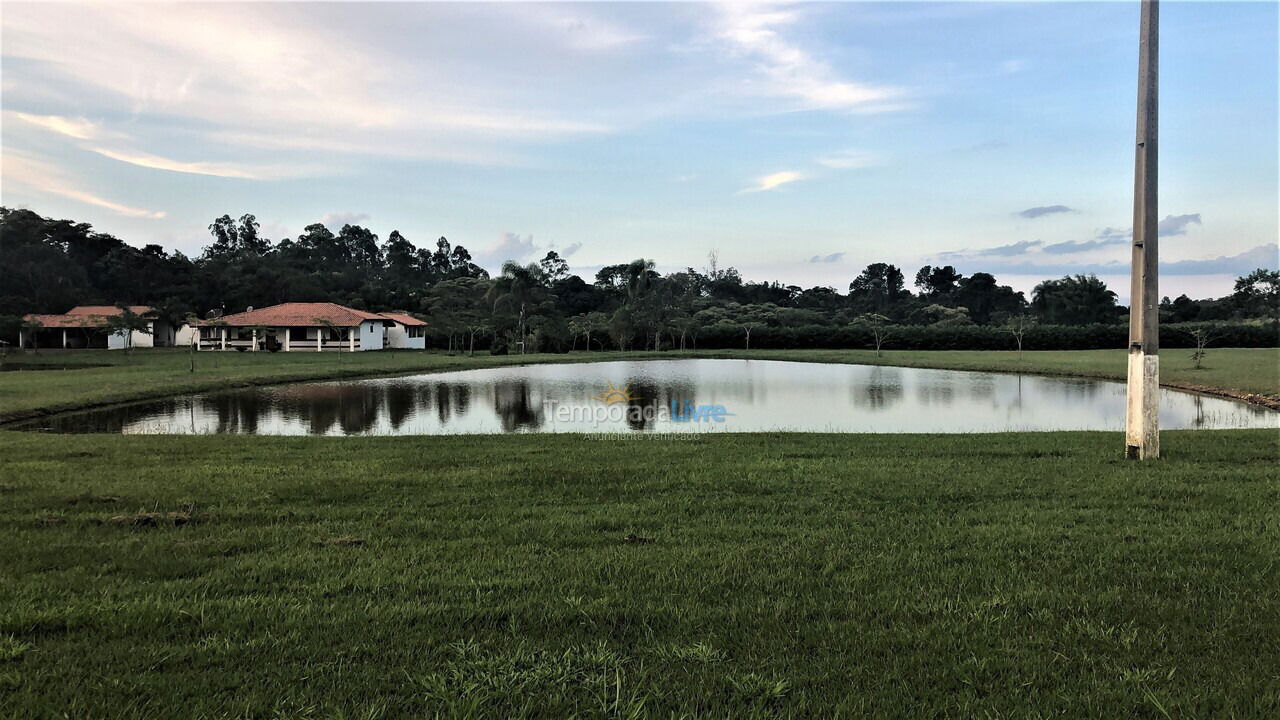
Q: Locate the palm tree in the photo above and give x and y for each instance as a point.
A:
(519, 290)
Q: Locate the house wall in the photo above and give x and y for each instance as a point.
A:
(371, 335)
(398, 337)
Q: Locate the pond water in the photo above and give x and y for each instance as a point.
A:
(664, 396)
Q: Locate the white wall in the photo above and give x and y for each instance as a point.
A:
(371, 335)
(398, 337)
(183, 336)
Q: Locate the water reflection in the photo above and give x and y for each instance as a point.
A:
(752, 395)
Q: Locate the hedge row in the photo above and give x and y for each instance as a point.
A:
(980, 337)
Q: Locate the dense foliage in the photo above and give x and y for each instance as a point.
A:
(50, 265)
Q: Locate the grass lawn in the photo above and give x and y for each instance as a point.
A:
(734, 576)
(155, 373)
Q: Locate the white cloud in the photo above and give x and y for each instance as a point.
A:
(510, 246)
(270, 74)
(78, 128)
(848, 160)
(772, 181)
(570, 249)
(215, 169)
(785, 69)
(335, 220)
(40, 176)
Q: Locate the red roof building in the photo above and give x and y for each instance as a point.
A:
(84, 326)
(295, 327)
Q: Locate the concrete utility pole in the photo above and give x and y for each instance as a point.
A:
(1142, 421)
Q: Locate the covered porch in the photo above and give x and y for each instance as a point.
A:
(279, 339)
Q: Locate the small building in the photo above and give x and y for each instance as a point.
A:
(85, 326)
(405, 332)
(295, 327)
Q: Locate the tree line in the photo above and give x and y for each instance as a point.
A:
(51, 265)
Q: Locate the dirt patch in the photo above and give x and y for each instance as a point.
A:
(1266, 401)
(154, 519)
(91, 499)
(634, 539)
(344, 541)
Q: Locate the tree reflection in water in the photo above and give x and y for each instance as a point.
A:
(759, 396)
(512, 401)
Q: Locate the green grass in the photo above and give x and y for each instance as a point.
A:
(158, 373)
(788, 575)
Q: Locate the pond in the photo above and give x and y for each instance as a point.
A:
(664, 396)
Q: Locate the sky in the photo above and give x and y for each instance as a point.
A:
(798, 142)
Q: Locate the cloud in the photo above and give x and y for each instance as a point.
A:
(773, 181)
(37, 175)
(1021, 247)
(268, 73)
(1267, 256)
(570, 249)
(1035, 212)
(78, 128)
(1176, 224)
(335, 220)
(832, 258)
(1075, 246)
(784, 69)
(510, 246)
(215, 169)
(848, 160)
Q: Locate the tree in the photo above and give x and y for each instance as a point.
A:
(880, 326)
(940, 315)
(938, 282)
(984, 298)
(31, 328)
(125, 323)
(233, 238)
(1017, 326)
(1203, 336)
(754, 317)
(1258, 294)
(456, 306)
(515, 295)
(554, 268)
(878, 288)
(1074, 300)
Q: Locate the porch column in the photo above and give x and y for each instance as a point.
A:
(224, 338)
(255, 339)
(351, 339)
(64, 338)
(319, 339)
(287, 333)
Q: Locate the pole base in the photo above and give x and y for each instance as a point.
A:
(1142, 419)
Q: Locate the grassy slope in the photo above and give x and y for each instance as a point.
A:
(165, 372)
(908, 576)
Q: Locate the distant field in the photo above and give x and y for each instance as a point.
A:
(734, 576)
(112, 377)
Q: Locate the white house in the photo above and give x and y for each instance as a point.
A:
(405, 332)
(294, 327)
(85, 326)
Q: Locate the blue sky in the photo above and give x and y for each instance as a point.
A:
(799, 141)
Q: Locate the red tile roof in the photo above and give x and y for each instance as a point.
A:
(107, 310)
(85, 316)
(404, 319)
(298, 315)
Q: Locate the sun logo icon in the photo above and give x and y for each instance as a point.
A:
(614, 394)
